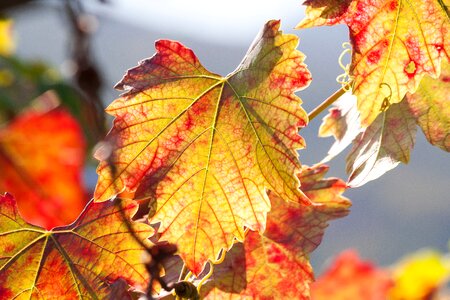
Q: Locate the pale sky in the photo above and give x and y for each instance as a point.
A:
(217, 21)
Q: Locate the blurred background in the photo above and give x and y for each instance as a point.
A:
(405, 210)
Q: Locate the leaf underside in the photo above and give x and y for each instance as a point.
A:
(387, 142)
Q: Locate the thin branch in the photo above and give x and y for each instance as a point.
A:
(330, 100)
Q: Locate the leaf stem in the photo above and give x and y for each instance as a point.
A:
(207, 276)
(330, 100)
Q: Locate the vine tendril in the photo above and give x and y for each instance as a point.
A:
(206, 277)
(345, 78)
(386, 101)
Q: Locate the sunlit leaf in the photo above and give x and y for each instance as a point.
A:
(389, 139)
(342, 123)
(419, 276)
(383, 145)
(276, 265)
(41, 159)
(395, 43)
(351, 278)
(430, 105)
(377, 148)
(79, 261)
(205, 148)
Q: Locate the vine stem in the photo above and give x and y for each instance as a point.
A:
(330, 100)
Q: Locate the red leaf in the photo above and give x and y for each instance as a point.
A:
(351, 278)
(275, 265)
(41, 158)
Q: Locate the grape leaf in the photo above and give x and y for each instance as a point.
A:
(377, 148)
(430, 105)
(342, 123)
(275, 265)
(383, 145)
(79, 261)
(395, 43)
(351, 278)
(206, 147)
(45, 179)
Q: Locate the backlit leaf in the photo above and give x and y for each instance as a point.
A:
(430, 105)
(205, 148)
(79, 261)
(383, 145)
(377, 148)
(275, 265)
(41, 159)
(342, 123)
(395, 43)
(351, 278)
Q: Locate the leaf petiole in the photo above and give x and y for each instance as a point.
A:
(330, 100)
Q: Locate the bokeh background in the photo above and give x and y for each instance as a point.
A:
(405, 210)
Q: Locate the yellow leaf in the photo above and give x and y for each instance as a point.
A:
(395, 43)
(430, 104)
(205, 148)
(79, 261)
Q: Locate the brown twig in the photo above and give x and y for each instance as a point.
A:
(157, 253)
(87, 76)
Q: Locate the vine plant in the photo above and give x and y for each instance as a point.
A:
(200, 172)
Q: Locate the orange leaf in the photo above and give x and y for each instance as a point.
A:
(206, 147)
(430, 105)
(351, 278)
(41, 158)
(275, 265)
(79, 261)
(395, 43)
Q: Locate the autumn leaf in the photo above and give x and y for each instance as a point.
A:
(377, 148)
(275, 265)
(430, 105)
(342, 123)
(205, 148)
(390, 138)
(349, 277)
(382, 146)
(41, 158)
(79, 261)
(395, 43)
